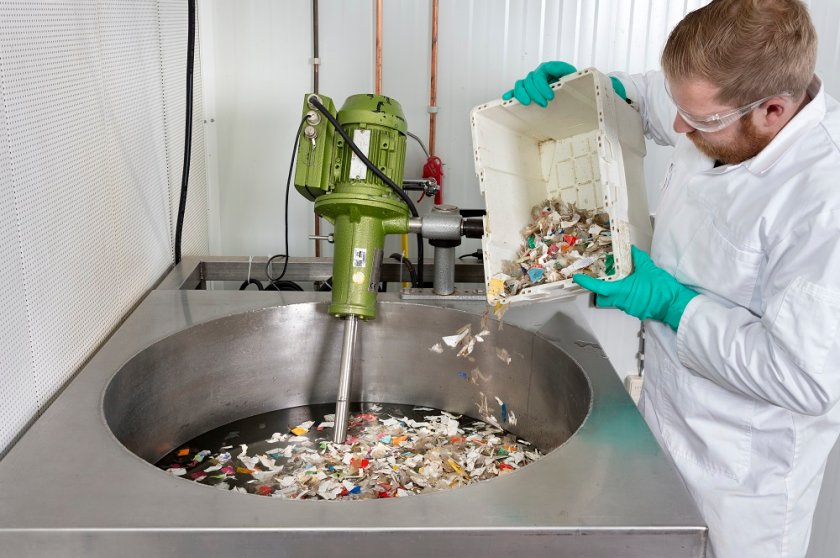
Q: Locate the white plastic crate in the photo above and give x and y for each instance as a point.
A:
(586, 147)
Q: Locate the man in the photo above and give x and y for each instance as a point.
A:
(743, 287)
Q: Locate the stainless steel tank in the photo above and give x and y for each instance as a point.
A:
(252, 363)
(81, 482)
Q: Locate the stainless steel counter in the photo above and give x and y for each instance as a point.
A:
(70, 488)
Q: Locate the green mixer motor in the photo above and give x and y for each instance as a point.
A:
(361, 206)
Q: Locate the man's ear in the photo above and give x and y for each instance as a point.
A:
(775, 112)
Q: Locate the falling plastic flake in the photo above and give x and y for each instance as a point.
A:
(560, 241)
(386, 455)
(464, 341)
(503, 355)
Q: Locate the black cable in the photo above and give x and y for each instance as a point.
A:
(409, 267)
(313, 100)
(185, 174)
(284, 286)
(420, 260)
(285, 256)
(249, 282)
(478, 254)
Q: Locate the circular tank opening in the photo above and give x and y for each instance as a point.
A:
(279, 368)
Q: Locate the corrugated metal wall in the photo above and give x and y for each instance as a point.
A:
(261, 51)
(91, 144)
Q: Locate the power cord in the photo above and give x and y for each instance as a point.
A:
(185, 172)
(285, 255)
(478, 254)
(249, 280)
(409, 267)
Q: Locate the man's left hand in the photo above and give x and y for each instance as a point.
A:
(649, 293)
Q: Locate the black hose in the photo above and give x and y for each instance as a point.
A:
(185, 173)
(249, 282)
(313, 100)
(478, 254)
(409, 267)
(285, 255)
(284, 286)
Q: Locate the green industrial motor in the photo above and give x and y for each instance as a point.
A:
(360, 205)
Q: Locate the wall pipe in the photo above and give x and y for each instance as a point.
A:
(433, 94)
(378, 84)
(316, 62)
(433, 84)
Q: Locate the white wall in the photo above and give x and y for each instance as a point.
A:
(260, 50)
(91, 143)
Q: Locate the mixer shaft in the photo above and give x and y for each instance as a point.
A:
(345, 373)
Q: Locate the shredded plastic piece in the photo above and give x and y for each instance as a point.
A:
(503, 355)
(387, 455)
(560, 241)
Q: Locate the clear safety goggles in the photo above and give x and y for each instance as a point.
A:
(720, 120)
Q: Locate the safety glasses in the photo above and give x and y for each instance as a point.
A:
(718, 121)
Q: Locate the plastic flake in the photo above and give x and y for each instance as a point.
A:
(561, 240)
(199, 457)
(387, 455)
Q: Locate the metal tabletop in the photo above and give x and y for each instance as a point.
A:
(69, 488)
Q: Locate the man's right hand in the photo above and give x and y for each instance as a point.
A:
(536, 86)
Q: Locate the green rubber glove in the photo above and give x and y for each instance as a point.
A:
(649, 293)
(536, 86)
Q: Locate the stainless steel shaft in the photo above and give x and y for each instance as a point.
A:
(344, 376)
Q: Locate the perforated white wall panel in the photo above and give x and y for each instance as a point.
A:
(17, 381)
(87, 185)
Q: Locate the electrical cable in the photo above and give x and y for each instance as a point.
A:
(284, 286)
(408, 266)
(427, 166)
(248, 282)
(478, 254)
(313, 100)
(285, 256)
(185, 173)
(418, 140)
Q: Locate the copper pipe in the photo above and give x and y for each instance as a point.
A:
(378, 90)
(433, 89)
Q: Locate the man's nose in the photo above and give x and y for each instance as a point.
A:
(681, 126)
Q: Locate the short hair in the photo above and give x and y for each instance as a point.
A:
(750, 49)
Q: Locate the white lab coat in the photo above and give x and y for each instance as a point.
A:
(743, 395)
